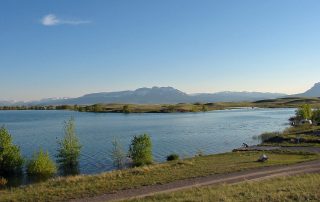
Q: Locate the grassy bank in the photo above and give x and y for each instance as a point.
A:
(295, 188)
(81, 186)
(305, 135)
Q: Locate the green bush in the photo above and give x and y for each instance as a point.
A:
(173, 157)
(69, 150)
(11, 160)
(41, 165)
(141, 150)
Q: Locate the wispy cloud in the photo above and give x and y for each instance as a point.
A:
(52, 20)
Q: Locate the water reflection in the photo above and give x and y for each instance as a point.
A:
(66, 170)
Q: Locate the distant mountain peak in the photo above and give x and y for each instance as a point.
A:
(312, 92)
(317, 85)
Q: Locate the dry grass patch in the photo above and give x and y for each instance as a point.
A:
(295, 188)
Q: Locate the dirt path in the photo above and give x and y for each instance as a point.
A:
(269, 148)
(252, 174)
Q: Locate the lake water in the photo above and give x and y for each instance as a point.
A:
(181, 133)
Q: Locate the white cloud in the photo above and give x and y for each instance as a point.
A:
(51, 20)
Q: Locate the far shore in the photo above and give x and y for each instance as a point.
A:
(174, 108)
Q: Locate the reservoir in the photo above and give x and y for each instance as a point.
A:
(185, 134)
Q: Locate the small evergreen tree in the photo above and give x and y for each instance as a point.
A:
(141, 150)
(41, 165)
(117, 154)
(69, 149)
(11, 160)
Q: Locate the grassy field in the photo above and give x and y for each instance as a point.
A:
(295, 188)
(80, 186)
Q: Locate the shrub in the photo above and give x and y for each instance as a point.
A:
(117, 154)
(41, 165)
(69, 149)
(173, 157)
(10, 157)
(141, 150)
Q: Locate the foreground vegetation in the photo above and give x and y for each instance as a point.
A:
(64, 188)
(296, 188)
(40, 165)
(181, 107)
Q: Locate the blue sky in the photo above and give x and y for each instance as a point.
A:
(69, 48)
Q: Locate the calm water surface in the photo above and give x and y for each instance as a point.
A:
(181, 133)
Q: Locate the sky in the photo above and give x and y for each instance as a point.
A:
(59, 48)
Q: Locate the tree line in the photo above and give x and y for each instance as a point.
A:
(68, 153)
(306, 112)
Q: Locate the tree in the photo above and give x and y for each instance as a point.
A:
(126, 109)
(141, 150)
(304, 112)
(97, 108)
(316, 115)
(204, 108)
(69, 149)
(117, 154)
(41, 165)
(11, 160)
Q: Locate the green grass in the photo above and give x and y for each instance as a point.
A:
(81, 186)
(295, 188)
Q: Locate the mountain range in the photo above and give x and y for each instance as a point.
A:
(164, 95)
